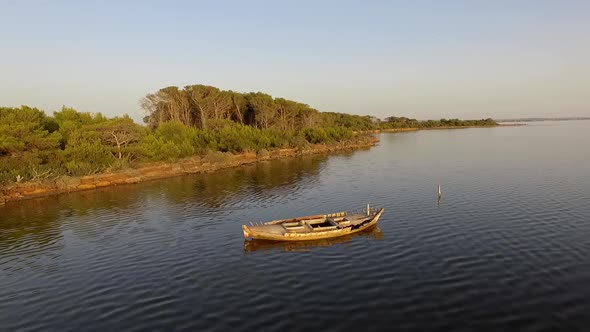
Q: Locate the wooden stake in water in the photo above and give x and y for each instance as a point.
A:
(439, 193)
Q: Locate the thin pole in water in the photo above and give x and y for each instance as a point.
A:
(439, 193)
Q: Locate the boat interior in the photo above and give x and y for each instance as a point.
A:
(325, 224)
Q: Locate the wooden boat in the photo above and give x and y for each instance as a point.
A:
(316, 227)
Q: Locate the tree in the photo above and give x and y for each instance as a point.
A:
(306, 116)
(167, 104)
(239, 104)
(22, 129)
(119, 132)
(69, 120)
(285, 108)
(263, 106)
(208, 103)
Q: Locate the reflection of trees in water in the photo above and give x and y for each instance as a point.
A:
(276, 177)
(261, 245)
(36, 223)
(28, 227)
(347, 155)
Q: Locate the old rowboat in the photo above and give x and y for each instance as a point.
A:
(314, 227)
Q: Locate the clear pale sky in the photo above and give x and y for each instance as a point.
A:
(423, 59)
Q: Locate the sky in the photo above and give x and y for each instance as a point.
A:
(421, 59)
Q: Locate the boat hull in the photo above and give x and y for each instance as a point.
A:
(251, 233)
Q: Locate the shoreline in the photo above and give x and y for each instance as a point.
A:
(160, 170)
(397, 130)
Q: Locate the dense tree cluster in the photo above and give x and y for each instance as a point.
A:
(198, 106)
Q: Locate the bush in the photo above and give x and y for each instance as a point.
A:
(87, 157)
(263, 154)
(217, 156)
(156, 148)
(315, 135)
(298, 141)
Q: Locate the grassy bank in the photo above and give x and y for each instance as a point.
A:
(147, 171)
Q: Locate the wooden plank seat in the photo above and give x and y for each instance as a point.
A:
(294, 226)
(325, 228)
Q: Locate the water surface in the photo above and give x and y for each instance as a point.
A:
(508, 247)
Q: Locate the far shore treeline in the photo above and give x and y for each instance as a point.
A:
(194, 120)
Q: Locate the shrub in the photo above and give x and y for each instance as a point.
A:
(263, 153)
(87, 157)
(217, 156)
(156, 148)
(298, 141)
(315, 135)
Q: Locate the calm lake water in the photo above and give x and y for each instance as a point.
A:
(507, 248)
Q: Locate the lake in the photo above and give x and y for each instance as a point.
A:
(507, 247)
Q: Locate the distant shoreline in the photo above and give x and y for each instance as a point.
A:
(160, 170)
(543, 119)
(396, 130)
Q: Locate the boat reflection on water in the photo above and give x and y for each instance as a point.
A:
(373, 233)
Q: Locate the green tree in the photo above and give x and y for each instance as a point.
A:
(120, 133)
(264, 109)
